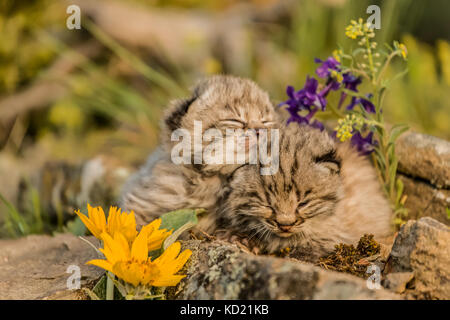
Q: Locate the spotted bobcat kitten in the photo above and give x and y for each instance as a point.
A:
(219, 103)
(323, 194)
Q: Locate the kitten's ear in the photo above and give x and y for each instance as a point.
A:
(178, 108)
(176, 111)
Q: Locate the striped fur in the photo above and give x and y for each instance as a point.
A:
(324, 190)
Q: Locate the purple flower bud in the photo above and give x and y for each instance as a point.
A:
(364, 145)
(367, 105)
(325, 69)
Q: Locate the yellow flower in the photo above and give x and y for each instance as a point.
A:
(339, 77)
(117, 222)
(337, 55)
(169, 264)
(358, 29)
(135, 267)
(96, 222)
(354, 30)
(121, 222)
(403, 50)
(156, 236)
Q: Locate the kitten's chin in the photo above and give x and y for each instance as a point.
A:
(284, 234)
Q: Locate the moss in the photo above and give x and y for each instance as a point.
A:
(347, 258)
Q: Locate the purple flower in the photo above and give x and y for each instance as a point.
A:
(350, 82)
(324, 70)
(367, 105)
(307, 97)
(331, 85)
(306, 119)
(311, 95)
(295, 117)
(318, 125)
(364, 145)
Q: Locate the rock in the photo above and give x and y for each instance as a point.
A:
(218, 270)
(36, 267)
(64, 187)
(423, 247)
(425, 157)
(398, 281)
(424, 199)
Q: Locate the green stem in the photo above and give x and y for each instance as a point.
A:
(386, 64)
(110, 286)
(338, 113)
(369, 55)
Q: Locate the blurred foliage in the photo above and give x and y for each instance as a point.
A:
(114, 102)
(22, 56)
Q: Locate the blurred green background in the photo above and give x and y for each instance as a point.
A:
(69, 95)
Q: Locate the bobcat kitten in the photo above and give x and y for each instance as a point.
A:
(220, 103)
(323, 194)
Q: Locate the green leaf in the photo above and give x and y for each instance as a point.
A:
(392, 175)
(389, 47)
(15, 217)
(75, 227)
(448, 212)
(100, 288)
(398, 76)
(358, 51)
(176, 219)
(396, 131)
(380, 159)
(353, 93)
(383, 53)
(396, 44)
(179, 221)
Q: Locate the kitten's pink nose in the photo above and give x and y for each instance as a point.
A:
(285, 228)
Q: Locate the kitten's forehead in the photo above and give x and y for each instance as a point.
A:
(233, 95)
(305, 141)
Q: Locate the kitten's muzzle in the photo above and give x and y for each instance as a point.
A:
(285, 228)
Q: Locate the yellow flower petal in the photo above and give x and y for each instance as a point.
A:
(167, 281)
(127, 271)
(121, 222)
(156, 236)
(180, 261)
(139, 250)
(101, 264)
(95, 230)
(123, 243)
(115, 249)
(169, 254)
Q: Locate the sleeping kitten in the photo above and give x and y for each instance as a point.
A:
(219, 102)
(323, 194)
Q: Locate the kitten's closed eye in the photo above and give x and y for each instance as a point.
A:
(268, 123)
(302, 204)
(329, 161)
(232, 123)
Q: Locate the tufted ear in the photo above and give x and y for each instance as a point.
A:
(176, 112)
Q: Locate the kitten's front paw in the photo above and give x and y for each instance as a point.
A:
(241, 241)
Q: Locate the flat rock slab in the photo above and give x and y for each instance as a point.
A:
(218, 270)
(35, 267)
